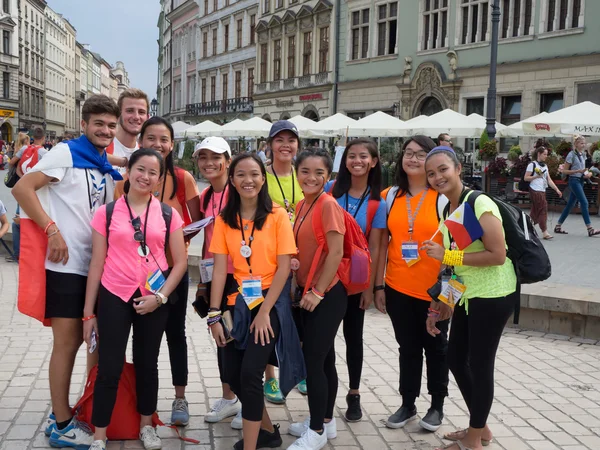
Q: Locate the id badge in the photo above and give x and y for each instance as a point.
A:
(410, 252)
(206, 269)
(453, 292)
(252, 292)
(155, 281)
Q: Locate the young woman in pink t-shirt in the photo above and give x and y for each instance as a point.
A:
(129, 276)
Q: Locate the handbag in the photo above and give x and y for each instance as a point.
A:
(11, 178)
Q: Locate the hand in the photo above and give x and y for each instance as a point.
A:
(434, 250)
(309, 302)
(559, 193)
(57, 247)
(380, 301)
(581, 171)
(444, 310)
(366, 299)
(430, 325)
(145, 305)
(17, 220)
(587, 175)
(88, 326)
(261, 327)
(218, 335)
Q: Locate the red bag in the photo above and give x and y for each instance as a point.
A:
(354, 270)
(29, 158)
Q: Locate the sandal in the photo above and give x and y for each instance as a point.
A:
(559, 230)
(592, 232)
(456, 436)
(549, 237)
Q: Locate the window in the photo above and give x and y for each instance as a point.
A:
(475, 106)
(516, 18)
(213, 88)
(307, 54)
(203, 90)
(435, 24)
(564, 14)
(204, 44)
(264, 51)
(277, 60)
(238, 84)
(551, 102)
(215, 5)
(6, 42)
(225, 86)
(205, 7)
(291, 57)
(510, 113)
(588, 92)
(252, 28)
(5, 84)
(360, 34)
(214, 42)
(324, 49)
(239, 33)
(387, 28)
(226, 37)
(6, 6)
(251, 82)
(278, 4)
(266, 6)
(474, 21)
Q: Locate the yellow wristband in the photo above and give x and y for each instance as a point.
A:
(453, 257)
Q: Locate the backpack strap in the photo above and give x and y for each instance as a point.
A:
(317, 225)
(167, 213)
(372, 207)
(110, 207)
(390, 197)
(180, 175)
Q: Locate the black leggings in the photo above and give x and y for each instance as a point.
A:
(474, 340)
(244, 369)
(408, 315)
(320, 328)
(115, 318)
(175, 332)
(354, 321)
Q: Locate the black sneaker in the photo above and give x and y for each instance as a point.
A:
(353, 413)
(401, 417)
(265, 439)
(432, 420)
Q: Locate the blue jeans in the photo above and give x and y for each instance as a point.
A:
(16, 237)
(577, 195)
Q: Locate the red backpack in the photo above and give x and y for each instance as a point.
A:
(354, 270)
(29, 158)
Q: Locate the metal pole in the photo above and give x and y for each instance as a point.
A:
(336, 72)
(491, 95)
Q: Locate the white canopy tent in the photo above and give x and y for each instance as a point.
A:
(582, 118)
(516, 129)
(254, 128)
(480, 120)
(332, 126)
(179, 128)
(304, 124)
(378, 124)
(205, 128)
(446, 121)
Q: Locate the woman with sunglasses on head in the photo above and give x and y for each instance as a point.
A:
(258, 238)
(357, 190)
(409, 274)
(130, 277)
(178, 189)
(322, 297)
(489, 284)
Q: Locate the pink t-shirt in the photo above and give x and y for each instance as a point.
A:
(125, 271)
(216, 203)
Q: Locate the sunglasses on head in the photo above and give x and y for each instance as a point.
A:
(138, 236)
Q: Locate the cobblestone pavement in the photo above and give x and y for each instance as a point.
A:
(546, 390)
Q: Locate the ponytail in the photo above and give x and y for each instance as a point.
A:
(170, 168)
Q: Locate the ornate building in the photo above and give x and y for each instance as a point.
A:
(55, 54)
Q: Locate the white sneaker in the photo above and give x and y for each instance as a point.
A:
(98, 445)
(298, 428)
(222, 409)
(150, 438)
(310, 440)
(237, 422)
(76, 434)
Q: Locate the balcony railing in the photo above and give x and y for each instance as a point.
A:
(232, 105)
(294, 83)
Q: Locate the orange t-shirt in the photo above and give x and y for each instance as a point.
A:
(333, 220)
(274, 239)
(415, 280)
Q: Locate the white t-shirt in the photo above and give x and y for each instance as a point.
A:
(71, 202)
(120, 150)
(539, 184)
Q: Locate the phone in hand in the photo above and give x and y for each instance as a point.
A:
(93, 342)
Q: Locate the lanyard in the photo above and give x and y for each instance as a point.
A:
(212, 197)
(361, 201)
(250, 239)
(143, 243)
(411, 216)
(301, 221)
(286, 202)
(90, 192)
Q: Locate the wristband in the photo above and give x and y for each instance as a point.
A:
(380, 287)
(48, 226)
(53, 233)
(317, 294)
(213, 309)
(85, 319)
(453, 257)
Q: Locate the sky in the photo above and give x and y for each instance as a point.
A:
(120, 30)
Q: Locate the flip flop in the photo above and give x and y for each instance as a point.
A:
(548, 238)
(455, 438)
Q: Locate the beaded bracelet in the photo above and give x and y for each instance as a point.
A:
(453, 257)
(319, 295)
(48, 226)
(210, 321)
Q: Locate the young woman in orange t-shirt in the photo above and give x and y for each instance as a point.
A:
(409, 273)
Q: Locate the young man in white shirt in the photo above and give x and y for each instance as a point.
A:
(59, 197)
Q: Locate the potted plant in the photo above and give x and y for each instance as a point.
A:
(553, 161)
(520, 165)
(564, 148)
(488, 151)
(514, 153)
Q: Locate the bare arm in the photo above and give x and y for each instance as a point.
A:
(382, 257)
(335, 245)
(553, 186)
(14, 160)
(118, 161)
(177, 248)
(374, 239)
(5, 225)
(567, 170)
(194, 208)
(529, 176)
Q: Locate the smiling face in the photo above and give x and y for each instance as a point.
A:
(100, 129)
(312, 175)
(580, 144)
(359, 160)
(212, 165)
(134, 112)
(443, 174)
(247, 178)
(284, 146)
(157, 137)
(413, 159)
(144, 175)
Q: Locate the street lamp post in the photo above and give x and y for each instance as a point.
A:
(491, 95)
(154, 107)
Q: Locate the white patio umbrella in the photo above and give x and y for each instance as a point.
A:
(303, 124)
(205, 128)
(254, 127)
(378, 124)
(415, 119)
(332, 126)
(516, 129)
(179, 127)
(229, 129)
(582, 118)
(480, 120)
(446, 121)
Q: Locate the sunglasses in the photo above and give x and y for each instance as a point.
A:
(138, 236)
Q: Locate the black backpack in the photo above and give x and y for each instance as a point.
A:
(525, 250)
(524, 185)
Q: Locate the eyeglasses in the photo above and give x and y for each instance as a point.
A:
(421, 156)
(138, 236)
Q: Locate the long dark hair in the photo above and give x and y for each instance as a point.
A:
(343, 182)
(211, 190)
(264, 207)
(139, 154)
(170, 166)
(401, 180)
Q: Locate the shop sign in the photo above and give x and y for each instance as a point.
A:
(7, 113)
(310, 97)
(265, 103)
(284, 103)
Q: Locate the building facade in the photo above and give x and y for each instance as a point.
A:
(295, 59)
(32, 26)
(9, 67)
(55, 74)
(121, 76)
(94, 72)
(71, 126)
(163, 90)
(80, 82)
(104, 76)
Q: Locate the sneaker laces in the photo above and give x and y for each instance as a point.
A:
(180, 405)
(149, 433)
(274, 384)
(82, 426)
(218, 406)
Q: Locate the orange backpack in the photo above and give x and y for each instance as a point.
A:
(354, 270)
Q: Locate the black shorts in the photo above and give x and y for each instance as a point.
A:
(65, 295)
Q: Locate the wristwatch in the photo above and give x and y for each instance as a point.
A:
(163, 298)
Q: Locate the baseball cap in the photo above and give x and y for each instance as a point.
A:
(283, 125)
(214, 144)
